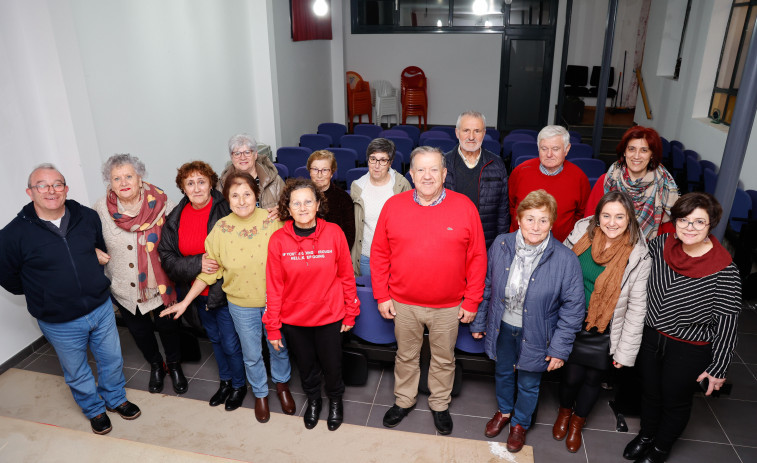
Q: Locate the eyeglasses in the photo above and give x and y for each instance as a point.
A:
(246, 154)
(698, 224)
(314, 171)
(381, 162)
(297, 205)
(44, 187)
(642, 150)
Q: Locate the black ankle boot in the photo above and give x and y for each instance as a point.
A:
(312, 413)
(236, 398)
(654, 456)
(157, 373)
(221, 394)
(180, 384)
(638, 447)
(336, 414)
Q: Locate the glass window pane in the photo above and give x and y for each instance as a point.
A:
(486, 13)
(731, 47)
(745, 48)
(419, 13)
(529, 13)
(375, 12)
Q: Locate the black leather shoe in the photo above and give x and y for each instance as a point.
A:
(223, 392)
(180, 384)
(654, 456)
(127, 410)
(157, 373)
(336, 414)
(443, 422)
(638, 447)
(394, 415)
(236, 398)
(100, 424)
(313, 412)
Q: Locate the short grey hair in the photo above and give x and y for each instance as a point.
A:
(43, 166)
(427, 149)
(475, 114)
(122, 159)
(240, 140)
(554, 130)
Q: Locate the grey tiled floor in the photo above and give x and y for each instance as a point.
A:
(720, 429)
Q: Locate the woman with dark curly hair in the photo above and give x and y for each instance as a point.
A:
(693, 305)
(238, 243)
(183, 256)
(311, 295)
(639, 173)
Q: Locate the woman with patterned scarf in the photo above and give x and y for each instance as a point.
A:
(615, 264)
(639, 173)
(132, 213)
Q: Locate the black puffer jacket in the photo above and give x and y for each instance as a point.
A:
(493, 205)
(183, 270)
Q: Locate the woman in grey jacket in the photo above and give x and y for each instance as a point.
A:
(533, 306)
(615, 265)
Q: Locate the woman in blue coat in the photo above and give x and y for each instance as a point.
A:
(533, 306)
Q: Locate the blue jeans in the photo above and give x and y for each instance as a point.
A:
(228, 352)
(365, 266)
(70, 339)
(248, 322)
(508, 351)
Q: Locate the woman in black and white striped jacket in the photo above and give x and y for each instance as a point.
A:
(693, 303)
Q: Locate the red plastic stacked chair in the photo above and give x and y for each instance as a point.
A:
(414, 95)
(358, 98)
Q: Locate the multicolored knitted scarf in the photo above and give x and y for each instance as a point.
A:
(653, 195)
(148, 225)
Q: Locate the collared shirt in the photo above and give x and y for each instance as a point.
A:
(473, 164)
(434, 202)
(551, 174)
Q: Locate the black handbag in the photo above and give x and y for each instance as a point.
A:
(591, 349)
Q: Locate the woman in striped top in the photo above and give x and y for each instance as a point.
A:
(694, 298)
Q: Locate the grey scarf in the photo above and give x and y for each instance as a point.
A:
(524, 262)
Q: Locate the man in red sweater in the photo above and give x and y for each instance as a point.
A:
(551, 172)
(428, 266)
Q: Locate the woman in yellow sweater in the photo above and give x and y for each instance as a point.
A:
(239, 244)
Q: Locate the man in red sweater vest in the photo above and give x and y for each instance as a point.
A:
(551, 172)
(428, 267)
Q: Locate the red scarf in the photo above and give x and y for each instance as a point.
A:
(713, 261)
(148, 225)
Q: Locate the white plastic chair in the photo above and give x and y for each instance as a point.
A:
(386, 101)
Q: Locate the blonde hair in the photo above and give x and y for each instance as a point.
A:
(538, 199)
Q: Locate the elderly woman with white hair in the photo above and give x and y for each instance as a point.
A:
(243, 150)
(133, 213)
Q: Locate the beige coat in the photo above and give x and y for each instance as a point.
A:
(122, 267)
(271, 185)
(356, 189)
(627, 322)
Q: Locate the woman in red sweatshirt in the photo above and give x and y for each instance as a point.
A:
(311, 295)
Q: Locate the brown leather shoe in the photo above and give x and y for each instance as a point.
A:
(262, 414)
(285, 397)
(516, 439)
(560, 429)
(496, 424)
(573, 441)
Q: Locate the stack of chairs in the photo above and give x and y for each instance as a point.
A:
(414, 95)
(359, 100)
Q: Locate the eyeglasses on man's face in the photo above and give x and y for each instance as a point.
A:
(44, 187)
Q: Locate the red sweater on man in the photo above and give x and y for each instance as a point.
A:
(570, 189)
(431, 256)
(309, 279)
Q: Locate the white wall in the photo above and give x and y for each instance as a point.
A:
(679, 107)
(303, 71)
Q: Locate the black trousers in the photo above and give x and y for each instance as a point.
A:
(580, 385)
(669, 370)
(316, 350)
(142, 329)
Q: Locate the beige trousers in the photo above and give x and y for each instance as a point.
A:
(442, 327)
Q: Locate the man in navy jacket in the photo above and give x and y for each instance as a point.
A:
(479, 174)
(52, 254)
